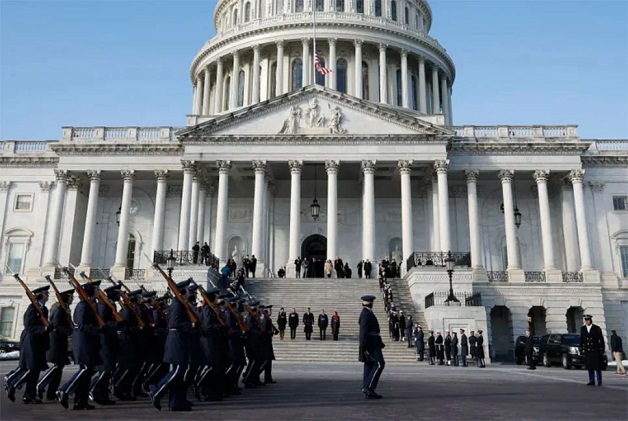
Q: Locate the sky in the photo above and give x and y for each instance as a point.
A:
(126, 63)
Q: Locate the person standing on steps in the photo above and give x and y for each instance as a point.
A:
(282, 321)
(253, 265)
(205, 254)
(195, 251)
(479, 352)
(371, 346)
(440, 348)
(308, 324)
(409, 325)
(359, 268)
(454, 349)
(419, 342)
(431, 347)
(335, 325)
(464, 347)
(402, 326)
(592, 347)
(447, 347)
(368, 266)
(293, 323)
(323, 322)
(473, 340)
(297, 267)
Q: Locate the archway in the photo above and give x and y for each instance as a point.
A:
(130, 254)
(501, 333)
(574, 319)
(538, 320)
(315, 247)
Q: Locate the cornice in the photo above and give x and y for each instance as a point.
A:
(605, 160)
(535, 289)
(118, 149)
(25, 161)
(522, 148)
(418, 139)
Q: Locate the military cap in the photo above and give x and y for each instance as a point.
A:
(479, 330)
(164, 298)
(586, 316)
(184, 284)
(368, 298)
(213, 290)
(193, 287)
(234, 299)
(254, 303)
(92, 284)
(67, 292)
(225, 295)
(134, 292)
(148, 294)
(113, 288)
(39, 290)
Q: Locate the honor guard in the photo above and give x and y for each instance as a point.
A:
(371, 345)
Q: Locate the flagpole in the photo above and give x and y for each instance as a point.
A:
(313, 69)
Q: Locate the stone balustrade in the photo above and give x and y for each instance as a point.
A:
(540, 132)
(19, 147)
(612, 145)
(119, 134)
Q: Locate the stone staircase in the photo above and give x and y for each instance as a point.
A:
(341, 295)
(403, 301)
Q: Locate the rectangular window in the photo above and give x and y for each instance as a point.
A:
(15, 257)
(6, 321)
(620, 203)
(23, 202)
(623, 253)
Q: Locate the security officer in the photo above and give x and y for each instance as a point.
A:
(479, 351)
(592, 347)
(371, 345)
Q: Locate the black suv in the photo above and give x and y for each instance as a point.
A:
(520, 349)
(563, 349)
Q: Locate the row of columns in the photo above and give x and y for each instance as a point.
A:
(440, 95)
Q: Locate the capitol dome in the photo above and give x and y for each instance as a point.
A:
(377, 50)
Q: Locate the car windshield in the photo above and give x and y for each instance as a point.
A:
(571, 339)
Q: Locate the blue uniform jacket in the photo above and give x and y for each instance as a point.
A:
(369, 333)
(86, 339)
(33, 340)
(179, 328)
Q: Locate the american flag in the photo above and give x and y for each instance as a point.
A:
(317, 64)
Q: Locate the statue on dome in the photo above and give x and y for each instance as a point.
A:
(335, 122)
(291, 124)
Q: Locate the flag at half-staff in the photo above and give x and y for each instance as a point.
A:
(319, 67)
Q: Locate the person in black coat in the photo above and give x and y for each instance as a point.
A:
(214, 344)
(297, 267)
(34, 342)
(253, 265)
(371, 346)
(347, 270)
(368, 266)
(293, 323)
(402, 325)
(335, 325)
(419, 343)
(479, 351)
(440, 348)
(282, 322)
(473, 340)
(409, 327)
(339, 267)
(99, 388)
(86, 347)
(62, 327)
(464, 347)
(529, 350)
(323, 322)
(431, 347)
(454, 349)
(448, 347)
(308, 324)
(592, 347)
(268, 331)
(254, 350)
(130, 351)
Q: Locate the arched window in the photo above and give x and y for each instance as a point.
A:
(297, 74)
(365, 81)
(320, 5)
(320, 78)
(359, 6)
(378, 7)
(399, 87)
(341, 75)
(406, 16)
(393, 10)
(241, 88)
(340, 6)
(235, 17)
(247, 11)
(416, 23)
(298, 5)
(273, 80)
(414, 94)
(227, 91)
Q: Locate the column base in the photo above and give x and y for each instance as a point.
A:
(118, 271)
(516, 275)
(479, 275)
(553, 275)
(591, 276)
(43, 271)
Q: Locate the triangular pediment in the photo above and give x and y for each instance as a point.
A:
(313, 111)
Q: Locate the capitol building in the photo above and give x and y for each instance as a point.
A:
(535, 217)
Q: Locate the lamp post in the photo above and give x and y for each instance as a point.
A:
(170, 261)
(315, 208)
(450, 262)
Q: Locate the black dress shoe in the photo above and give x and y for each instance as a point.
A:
(40, 393)
(63, 398)
(83, 406)
(155, 401)
(270, 382)
(28, 400)
(591, 384)
(11, 393)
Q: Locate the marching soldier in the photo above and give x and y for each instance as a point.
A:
(131, 344)
(157, 369)
(213, 342)
(267, 343)
(237, 359)
(253, 349)
(371, 345)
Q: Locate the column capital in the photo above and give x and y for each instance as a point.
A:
(358, 42)
(472, 175)
(441, 166)
(256, 48)
(295, 166)
(61, 175)
(421, 60)
(332, 41)
(219, 61)
(128, 175)
(235, 54)
(596, 185)
(506, 176)
(541, 176)
(211, 190)
(5, 185)
(259, 166)
(73, 182)
(405, 166)
(43, 185)
(331, 166)
(305, 41)
(576, 176)
(382, 47)
(404, 53)
(188, 166)
(224, 167)
(162, 175)
(280, 44)
(94, 175)
(368, 166)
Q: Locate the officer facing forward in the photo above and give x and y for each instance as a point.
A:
(371, 345)
(592, 347)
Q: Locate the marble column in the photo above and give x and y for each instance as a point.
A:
(441, 167)
(224, 167)
(368, 212)
(219, 84)
(332, 208)
(206, 89)
(69, 220)
(512, 245)
(200, 225)
(52, 249)
(295, 210)
(279, 73)
(422, 87)
(186, 196)
(383, 78)
(42, 217)
(474, 219)
(358, 69)
(445, 98)
(307, 69)
(193, 210)
(407, 233)
(405, 91)
(160, 209)
(332, 62)
(235, 81)
(90, 219)
(541, 176)
(258, 211)
(570, 236)
(576, 177)
(435, 96)
(435, 212)
(5, 186)
(198, 106)
(256, 77)
(122, 246)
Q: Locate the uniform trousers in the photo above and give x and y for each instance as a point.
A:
(373, 371)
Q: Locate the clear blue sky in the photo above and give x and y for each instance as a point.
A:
(118, 63)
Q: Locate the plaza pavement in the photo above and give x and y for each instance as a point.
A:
(411, 391)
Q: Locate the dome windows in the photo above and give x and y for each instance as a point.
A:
(247, 11)
(297, 74)
(359, 6)
(320, 5)
(406, 16)
(378, 7)
(365, 81)
(339, 5)
(241, 88)
(298, 5)
(341, 75)
(393, 10)
(235, 17)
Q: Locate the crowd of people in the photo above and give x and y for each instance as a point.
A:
(292, 321)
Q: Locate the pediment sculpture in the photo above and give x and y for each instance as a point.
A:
(312, 121)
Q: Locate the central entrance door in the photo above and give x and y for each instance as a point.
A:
(315, 247)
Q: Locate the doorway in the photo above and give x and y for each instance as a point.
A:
(130, 254)
(502, 333)
(314, 248)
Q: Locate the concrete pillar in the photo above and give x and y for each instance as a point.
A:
(383, 78)
(160, 209)
(186, 196)
(90, 219)
(358, 70)
(122, 246)
(441, 167)
(407, 233)
(52, 249)
(576, 177)
(332, 208)
(258, 208)
(224, 167)
(256, 81)
(422, 87)
(405, 88)
(368, 212)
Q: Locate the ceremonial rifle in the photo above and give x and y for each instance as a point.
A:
(206, 300)
(143, 308)
(128, 303)
(102, 296)
(32, 298)
(62, 303)
(83, 294)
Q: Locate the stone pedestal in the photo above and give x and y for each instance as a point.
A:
(118, 271)
(591, 276)
(479, 275)
(516, 276)
(553, 275)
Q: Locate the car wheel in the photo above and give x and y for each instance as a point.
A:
(546, 361)
(566, 363)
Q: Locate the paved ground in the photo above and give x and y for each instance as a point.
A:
(332, 391)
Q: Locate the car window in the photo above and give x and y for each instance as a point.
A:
(572, 340)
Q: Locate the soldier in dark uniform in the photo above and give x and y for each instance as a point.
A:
(448, 347)
(529, 349)
(268, 331)
(177, 354)
(371, 346)
(214, 344)
(62, 327)
(431, 347)
(592, 347)
(237, 358)
(34, 342)
(440, 348)
(158, 369)
(308, 323)
(99, 390)
(196, 358)
(252, 345)
(86, 346)
(297, 267)
(293, 323)
(131, 346)
(464, 347)
(419, 342)
(454, 349)
(473, 340)
(479, 351)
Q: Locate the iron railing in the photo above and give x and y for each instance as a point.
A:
(99, 273)
(534, 276)
(465, 299)
(497, 276)
(185, 258)
(134, 273)
(58, 272)
(437, 259)
(573, 277)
